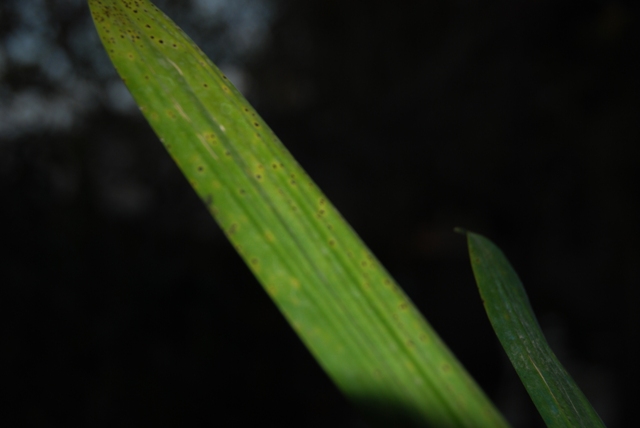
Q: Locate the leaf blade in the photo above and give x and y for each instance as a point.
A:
(346, 308)
(557, 397)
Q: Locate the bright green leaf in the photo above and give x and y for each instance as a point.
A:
(345, 307)
(553, 391)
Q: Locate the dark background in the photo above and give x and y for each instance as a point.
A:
(124, 304)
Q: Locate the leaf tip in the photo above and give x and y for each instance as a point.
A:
(460, 230)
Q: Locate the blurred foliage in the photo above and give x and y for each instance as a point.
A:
(530, 105)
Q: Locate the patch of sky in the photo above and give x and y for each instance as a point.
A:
(246, 22)
(25, 46)
(84, 42)
(56, 65)
(79, 71)
(32, 43)
(3, 62)
(32, 110)
(246, 26)
(119, 98)
(32, 14)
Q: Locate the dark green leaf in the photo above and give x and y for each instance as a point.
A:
(553, 391)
